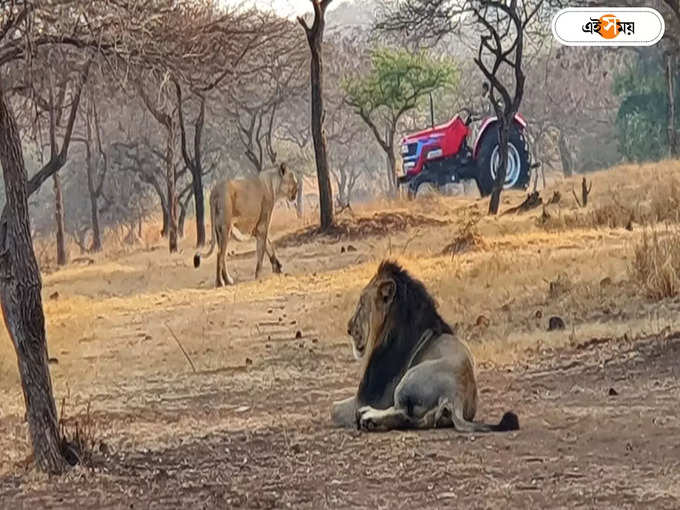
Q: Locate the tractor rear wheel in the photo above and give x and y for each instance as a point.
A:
(518, 173)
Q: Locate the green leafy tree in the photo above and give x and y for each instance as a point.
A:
(396, 83)
(641, 122)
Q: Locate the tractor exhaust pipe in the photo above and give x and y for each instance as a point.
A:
(431, 111)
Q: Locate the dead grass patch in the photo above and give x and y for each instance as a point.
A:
(655, 199)
(656, 264)
(352, 229)
(78, 436)
(559, 286)
(468, 238)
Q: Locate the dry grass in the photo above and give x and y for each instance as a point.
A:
(107, 325)
(79, 437)
(629, 196)
(467, 238)
(361, 227)
(656, 264)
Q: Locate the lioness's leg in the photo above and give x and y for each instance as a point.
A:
(220, 258)
(226, 277)
(261, 236)
(276, 265)
(344, 412)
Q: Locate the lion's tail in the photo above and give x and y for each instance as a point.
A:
(508, 422)
(213, 236)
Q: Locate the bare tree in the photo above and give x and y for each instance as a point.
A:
(162, 110)
(502, 26)
(315, 35)
(20, 288)
(194, 163)
(94, 160)
(502, 46)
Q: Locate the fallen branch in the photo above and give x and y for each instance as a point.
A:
(181, 348)
(532, 201)
(85, 260)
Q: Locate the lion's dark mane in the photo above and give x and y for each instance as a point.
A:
(412, 312)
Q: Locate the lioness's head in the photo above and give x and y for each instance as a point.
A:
(371, 312)
(289, 186)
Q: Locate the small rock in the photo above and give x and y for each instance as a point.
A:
(555, 323)
(605, 282)
(538, 314)
(342, 249)
(350, 248)
(482, 322)
(54, 295)
(613, 392)
(249, 362)
(53, 361)
(447, 495)
(298, 334)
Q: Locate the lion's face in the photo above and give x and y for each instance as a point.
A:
(369, 317)
(289, 186)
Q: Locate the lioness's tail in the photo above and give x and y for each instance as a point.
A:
(238, 235)
(508, 422)
(213, 236)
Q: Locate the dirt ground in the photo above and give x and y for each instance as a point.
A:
(248, 425)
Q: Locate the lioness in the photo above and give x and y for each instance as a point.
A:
(416, 373)
(244, 206)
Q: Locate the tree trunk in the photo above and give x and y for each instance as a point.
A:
(320, 152)
(315, 40)
(391, 160)
(495, 202)
(343, 197)
(199, 205)
(165, 228)
(300, 203)
(172, 191)
(22, 311)
(91, 188)
(180, 222)
(670, 80)
(392, 172)
(59, 218)
(565, 157)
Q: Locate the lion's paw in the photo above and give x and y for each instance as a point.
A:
(367, 418)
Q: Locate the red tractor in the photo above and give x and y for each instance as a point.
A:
(441, 155)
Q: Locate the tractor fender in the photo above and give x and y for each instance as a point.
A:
(488, 124)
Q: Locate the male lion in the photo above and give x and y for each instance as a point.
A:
(416, 373)
(246, 205)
